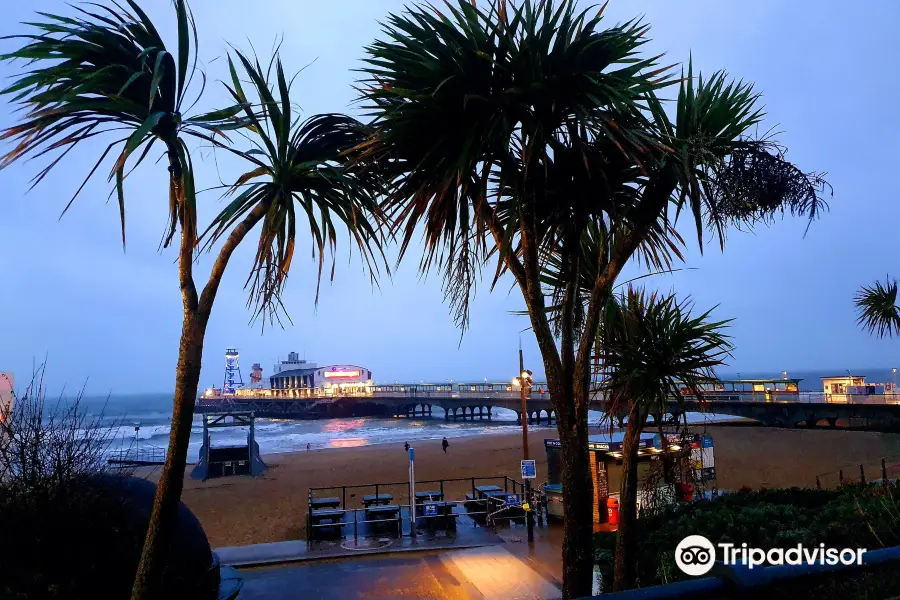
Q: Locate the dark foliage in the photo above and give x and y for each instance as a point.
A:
(877, 308)
(853, 517)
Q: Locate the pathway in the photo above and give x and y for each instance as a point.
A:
(475, 574)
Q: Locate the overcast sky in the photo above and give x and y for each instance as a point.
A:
(830, 83)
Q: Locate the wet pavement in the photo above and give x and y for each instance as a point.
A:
(491, 572)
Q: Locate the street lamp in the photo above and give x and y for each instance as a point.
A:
(524, 380)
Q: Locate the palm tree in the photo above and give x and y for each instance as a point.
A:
(649, 345)
(877, 308)
(108, 70)
(510, 132)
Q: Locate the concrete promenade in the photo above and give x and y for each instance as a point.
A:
(488, 573)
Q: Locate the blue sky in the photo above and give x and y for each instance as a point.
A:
(830, 83)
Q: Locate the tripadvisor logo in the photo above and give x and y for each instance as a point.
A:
(695, 555)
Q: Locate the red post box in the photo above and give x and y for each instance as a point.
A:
(612, 511)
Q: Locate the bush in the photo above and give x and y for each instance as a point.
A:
(855, 517)
(68, 529)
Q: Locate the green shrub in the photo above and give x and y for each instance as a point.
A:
(854, 517)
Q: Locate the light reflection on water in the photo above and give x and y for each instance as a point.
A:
(341, 425)
(348, 442)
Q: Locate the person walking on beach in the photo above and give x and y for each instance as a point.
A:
(445, 444)
(406, 446)
(307, 446)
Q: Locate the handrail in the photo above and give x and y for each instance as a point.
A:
(737, 580)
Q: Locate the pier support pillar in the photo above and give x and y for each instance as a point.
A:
(489, 413)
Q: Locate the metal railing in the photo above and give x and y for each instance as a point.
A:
(145, 455)
(539, 392)
(510, 486)
(742, 582)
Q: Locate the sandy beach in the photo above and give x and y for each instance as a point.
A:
(245, 510)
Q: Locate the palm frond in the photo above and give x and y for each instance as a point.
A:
(650, 344)
(877, 308)
(472, 103)
(301, 171)
(104, 70)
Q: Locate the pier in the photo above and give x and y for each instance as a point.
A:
(477, 401)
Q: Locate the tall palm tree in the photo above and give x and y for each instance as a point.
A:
(108, 70)
(511, 131)
(649, 345)
(877, 308)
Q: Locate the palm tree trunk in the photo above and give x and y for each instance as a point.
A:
(168, 491)
(626, 537)
(190, 359)
(578, 546)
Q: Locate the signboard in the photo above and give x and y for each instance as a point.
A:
(342, 372)
(644, 442)
(346, 374)
(431, 510)
(512, 500)
(529, 469)
(602, 486)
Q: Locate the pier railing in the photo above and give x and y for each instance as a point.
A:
(539, 392)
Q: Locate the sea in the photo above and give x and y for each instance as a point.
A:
(141, 421)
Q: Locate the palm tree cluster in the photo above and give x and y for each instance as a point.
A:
(650, 345)
(528, 138)
(107, 71)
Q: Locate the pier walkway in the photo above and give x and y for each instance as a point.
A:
(464, 401)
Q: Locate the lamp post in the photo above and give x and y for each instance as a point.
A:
(524, 380)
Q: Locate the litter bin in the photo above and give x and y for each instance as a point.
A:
(686, 492)
(612, 511)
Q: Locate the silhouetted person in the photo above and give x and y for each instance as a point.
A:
(445, 444)
(307, 446)
(406, 446)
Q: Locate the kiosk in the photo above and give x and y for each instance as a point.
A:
(605, 459)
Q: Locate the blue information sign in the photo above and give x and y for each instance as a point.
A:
(512, 500)
(529, 469)
(430, 510)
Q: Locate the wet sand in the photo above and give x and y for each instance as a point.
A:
(245, 510)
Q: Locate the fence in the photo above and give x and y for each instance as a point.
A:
(146, 455)
(874, 471)
(743, 582)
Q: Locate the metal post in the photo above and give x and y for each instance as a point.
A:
(841, 478)
(883, 473)
(862, 475)
(412, 492)
(344, 497)
(529, 516)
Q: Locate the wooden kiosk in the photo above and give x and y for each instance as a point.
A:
(605, 456)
